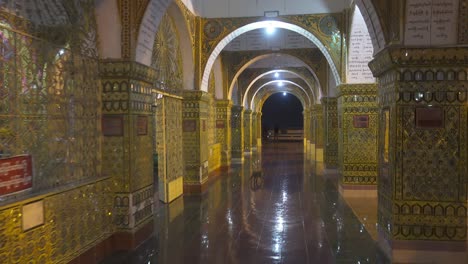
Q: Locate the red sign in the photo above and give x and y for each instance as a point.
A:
(361, 121)
(15, 174)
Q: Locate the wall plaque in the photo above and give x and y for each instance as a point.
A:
(112, 125)
(33, 215)
(361, 121)
(220, 124)
(189, 125)
(142, 125)
(15, 174)
(431, 22)
(430, 117)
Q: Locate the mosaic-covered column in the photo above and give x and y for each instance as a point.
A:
(259, 130)
(127, 148)
(422, 155)
(237, 132)
(330, 119)
(195, 137)
(169, 146)
(318, 133)
(306, 131)
(254, 130)
(248, 116)
(357, 144)
(223, 130)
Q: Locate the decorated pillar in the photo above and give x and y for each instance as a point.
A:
(127, 148)
(237, 132)
(357, 144)
(318, 133)
(196, 105)
(259, 130)
(169, 146)
(248, 131)
(422, 152)
(306, 132)
(330, 119)
(223, 130)
(254, 130)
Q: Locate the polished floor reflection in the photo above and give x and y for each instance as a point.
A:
(285, 214)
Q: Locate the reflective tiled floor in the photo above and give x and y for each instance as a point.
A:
(287, 215)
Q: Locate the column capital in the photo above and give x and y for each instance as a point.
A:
(237, 108)
(357, 89)
(403, 57)
(117, 68)
(223, 103)
(196, 96)
(328, 100)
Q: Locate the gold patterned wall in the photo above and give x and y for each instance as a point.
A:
(196, 110)
(318, 129)
(167, 58)
(247, 126)
(423, 172)
(169, 145)
(223, 129)
(358, 122)
(49, 107)
(237, 132)
(74, 221)
(127, 94)
(330, 118)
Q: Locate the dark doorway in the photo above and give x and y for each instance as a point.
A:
(282, 117)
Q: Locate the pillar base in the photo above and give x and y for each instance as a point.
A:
(199, 188)
(419, 251)
(353, 190)
(120, 241)
(172, 190)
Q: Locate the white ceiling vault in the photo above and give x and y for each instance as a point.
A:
(279, 61)
(246, 8)
(261, 40)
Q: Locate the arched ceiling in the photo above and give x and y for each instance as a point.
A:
(278, 61)
(279, 39)
(249, 8)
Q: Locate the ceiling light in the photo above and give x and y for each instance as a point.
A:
(280, 84)
(276, 74)
(270, 29)
(284, 93)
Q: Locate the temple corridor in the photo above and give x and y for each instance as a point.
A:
(160, 131)
(295, 216)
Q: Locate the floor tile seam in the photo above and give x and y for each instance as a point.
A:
(264, 219)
